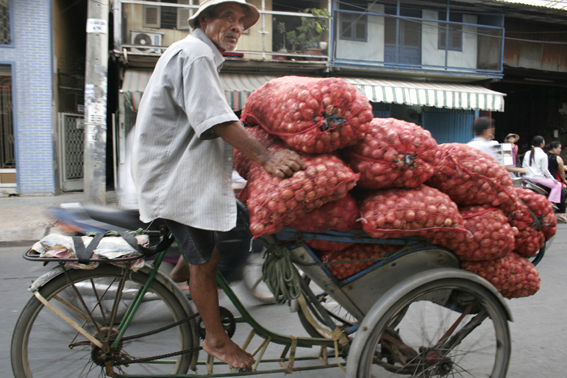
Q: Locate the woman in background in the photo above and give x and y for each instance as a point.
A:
(536, 163)
(556, 165)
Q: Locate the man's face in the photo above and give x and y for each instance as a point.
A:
(226, 27)
(488, 134)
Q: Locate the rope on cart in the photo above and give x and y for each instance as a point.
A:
(280, 275)
(337, 335)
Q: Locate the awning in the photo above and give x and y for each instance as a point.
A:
(238, 87)
(438, 95)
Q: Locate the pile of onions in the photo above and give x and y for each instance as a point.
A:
(394, 154)
(513, 275)
(340, 215)
(240, 162)
(355, 258)
(273, 202)
(472, 177)
(313, 115)
(422, 211)
(490, 235)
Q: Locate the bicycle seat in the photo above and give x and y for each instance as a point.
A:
(127, 219)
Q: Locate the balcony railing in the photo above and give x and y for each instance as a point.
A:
(379, 40)
(149, 27)
(351, 39)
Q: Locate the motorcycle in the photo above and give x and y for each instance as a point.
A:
(240, 257)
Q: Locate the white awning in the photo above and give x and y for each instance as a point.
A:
(238, 87)
(438, 95)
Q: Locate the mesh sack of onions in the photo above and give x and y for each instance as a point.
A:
(313, 115)
(472, 177)
(513, 275)
(340, 215)
(533, 219)
(393, 154)
(355, 258)
(422, 211)
(490, 235)
(240, 162)
(274, 203)
(542, 209)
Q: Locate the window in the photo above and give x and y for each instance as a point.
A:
(353, 26)
(454, 39)
(167, 17)
(5, 38)
(7, 156)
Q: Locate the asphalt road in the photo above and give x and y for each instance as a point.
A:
(539, 329)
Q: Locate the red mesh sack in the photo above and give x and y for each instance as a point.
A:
(273, 202)
(422, 211)
(340, 215)
(240, 162)
(532, 219)
(542, 209)
(355, 258)
(472, 177)
(327, 245)
(513, 275)
(393, 154)
(313, 115)
(490, 235)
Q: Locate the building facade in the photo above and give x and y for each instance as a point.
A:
(436, 63)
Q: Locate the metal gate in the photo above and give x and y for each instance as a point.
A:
(71, 141)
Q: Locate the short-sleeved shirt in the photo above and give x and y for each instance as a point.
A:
(484, 145)
(181, 169)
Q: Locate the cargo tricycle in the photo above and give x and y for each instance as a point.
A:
(413, 312)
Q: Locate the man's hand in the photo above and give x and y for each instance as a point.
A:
(283, 163)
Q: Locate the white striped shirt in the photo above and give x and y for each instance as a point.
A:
(182, 171)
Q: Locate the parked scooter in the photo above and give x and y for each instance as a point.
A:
(237, 252)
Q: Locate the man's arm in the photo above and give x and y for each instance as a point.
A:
(280, 163)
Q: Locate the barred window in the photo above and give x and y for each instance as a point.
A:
(450, 33)
(168, 17)
(353, 26)
(7, 156)
(5, 22)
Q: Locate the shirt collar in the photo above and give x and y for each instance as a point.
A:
(200, 34)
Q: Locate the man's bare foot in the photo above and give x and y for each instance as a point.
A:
(230, 353)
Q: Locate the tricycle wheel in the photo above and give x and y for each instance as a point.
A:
(445, 327)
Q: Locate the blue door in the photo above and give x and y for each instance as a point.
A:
(448, 125)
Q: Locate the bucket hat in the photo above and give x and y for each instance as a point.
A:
(251, 17)
(513, 135)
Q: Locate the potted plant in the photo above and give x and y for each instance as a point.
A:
(307, 37)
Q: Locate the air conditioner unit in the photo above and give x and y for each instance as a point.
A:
(143, 38)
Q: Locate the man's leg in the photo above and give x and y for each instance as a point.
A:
(204, 293)
(180, 273)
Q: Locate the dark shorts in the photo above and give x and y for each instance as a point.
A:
(197, 245)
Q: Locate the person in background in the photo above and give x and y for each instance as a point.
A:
(483, 140)
(483, 128)
(513, 140)
(182, 157)
(536, 162)
(556, 165)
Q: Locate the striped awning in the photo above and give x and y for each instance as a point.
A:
(238, 87)
(438, 95)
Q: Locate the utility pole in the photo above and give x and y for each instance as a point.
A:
(96, 83)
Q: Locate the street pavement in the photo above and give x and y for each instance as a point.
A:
(539, 330)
